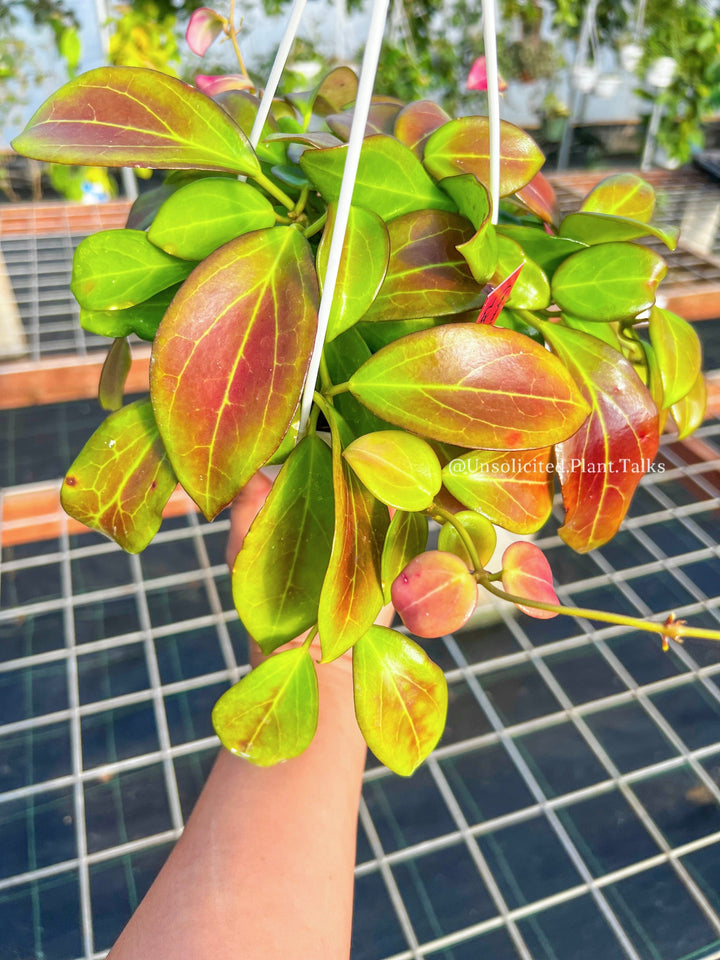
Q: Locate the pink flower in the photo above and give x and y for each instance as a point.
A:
(212, 86)
(204, 26)
(477, 78)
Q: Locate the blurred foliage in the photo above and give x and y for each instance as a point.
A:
(143, 35)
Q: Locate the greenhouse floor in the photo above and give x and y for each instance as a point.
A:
(572, 808)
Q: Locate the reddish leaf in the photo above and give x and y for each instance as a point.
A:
(601, 465)
(133, 117)
(415, 123)
(498, 297)
(228, 367)
(381, 119)
(477, 78)
(526, 573)
(434, 594)
(203, 27)
(539, 197)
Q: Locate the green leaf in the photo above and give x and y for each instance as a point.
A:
(600, 466)
(390, 179)
(114, 374)
(593, 228)
(678, 352)
(204, 215)
(142, 319)
(366, 242)
(406, 537)
(546, 250)
(121, 480)
(242, 106)
(473, 202)
(379, 335)
(271, 714)
(400, 699)
(415, 123)
(115, 269)
(352, 594)
(689, 412)
(612, 281)
(531, 290)
(603, 331)
(426, 276)
(133, 117)
(473, 385)
(623, 195)
(344, 355)
(513, 490)
(463, 146)
(280, 569)
(228, 368)
(478, 528)
(399, 469)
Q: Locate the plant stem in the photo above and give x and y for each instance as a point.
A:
(315, 227)
(232, 33)
(302, 200)
(338, 388)
(325, 378)
(327, 410)
(312, 633)
(313, 419)
(463, 534)
(274, 190)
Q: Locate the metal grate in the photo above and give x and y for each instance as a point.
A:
(571, 810)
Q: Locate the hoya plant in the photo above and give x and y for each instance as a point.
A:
(468, 369)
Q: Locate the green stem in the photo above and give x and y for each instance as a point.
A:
(274, 190)
(315, 227)
(329, 413)
(302, 200)
(325, 378)
(463, 534)
(312, 633)
(313, 419)
(338, 388)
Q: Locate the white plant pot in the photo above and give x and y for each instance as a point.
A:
(661, 72)
(607, 85)
(583, 78)
(630, 56)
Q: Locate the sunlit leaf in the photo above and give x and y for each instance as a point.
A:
(280, 569)
(114, 269)
(603, 331)
(336, 90)
(480, 531)
(623, 195)
(612, 281)
(271, 714)
(513, 490)
(593, 228)
(546, 250)
(689, 412)
(498, 297)
(204, 215)
(539, 198)
(678, 352)
(406, 537)
(228, 367)
(400, 699)
(600, 466)
(526, 573)
(317, 139)
(379, 335)
(415, 123)
(474, 385)
(133, 117)
(114, 374)
(435, 594)
(242, 106)
(463, 146)
(142, 319)
(399, 469)
(473, 202)
(531, 289)
(121, 480)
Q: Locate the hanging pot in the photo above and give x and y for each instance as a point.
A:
(661, 72)
(630, 56)
(584, 77)
(607, 85)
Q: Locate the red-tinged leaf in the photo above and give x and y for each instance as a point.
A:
(426, 275)
(401, 699)
(473, 385)
(539, 198)
(203, 27)
(480, 531)
(513, 490)
(415, 123)
(526, 573)
(213, 86)
(399, 469)
(114, 374)
(352, 594)
(381, 119)
(593, 228)
(678, 353)
(406, 537)
(337, 90)
(624, 195)
(133, 117)
(228, 367)
(477, 78)
(600, 466)
(463, 146)
(121, 479)
(435, 594)
(498, 297)
(689, 412)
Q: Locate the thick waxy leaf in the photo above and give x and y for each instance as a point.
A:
(399, 469)
(406, 537)
(603, 331)
(498, 297)
(689, 412)
(513, 490)
(143, 319)
(539, 197)
(478, 528)
(612, 281)
(678, 352)
(426, 276)
(400, 699)
(379, 335)
(381, 120)
(434, 594)
(531, 289)
(600, 466)
(114, 374)
(115, 269)
(280, 569)
(415, 123)
(242, 106)
(367, 242)
(352, 594)
(390, 180)
(546, 250)
(463, 146)
(474, 385)
(473, 202)
(133, 117)
(623, 195)
(271, 714)
(526, 573)
(319, 140)
(344, 355)
(336, 91)
(205, 214)
(228, 367)
(593, 228)
(121, 479)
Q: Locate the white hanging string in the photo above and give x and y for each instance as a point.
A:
(493, 94)
(357, 132)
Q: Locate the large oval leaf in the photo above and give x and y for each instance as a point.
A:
(133, 117)
(612, 281)
(415, 123)
(678, 353)
(272, 713)
(593, 228)
(122, 479)
(399, 469)
(401, 698)
(390, 179)
(280, 569)
(228, 366)
(463, 146)
(623, 195)
(472, 385)
(600, 466)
